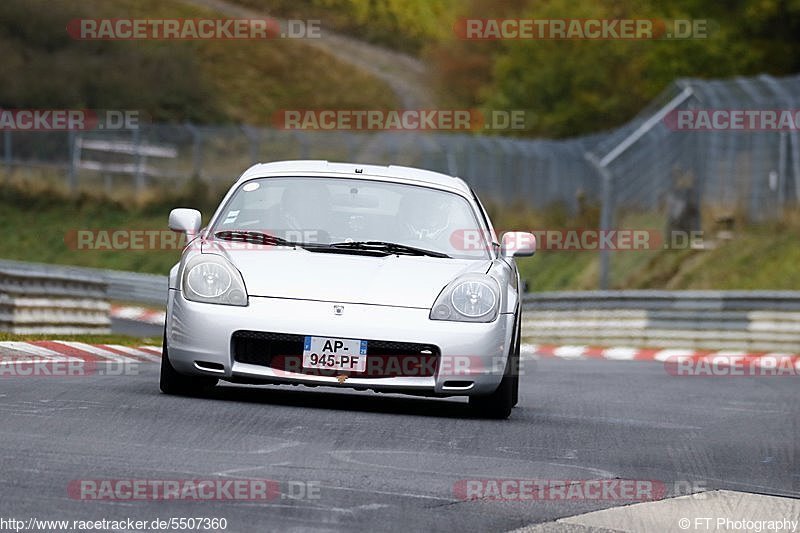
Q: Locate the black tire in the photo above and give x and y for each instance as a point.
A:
(177, 384)
(515, 385)
(516, 363)
(498, 405)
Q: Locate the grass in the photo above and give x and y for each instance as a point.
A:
(123, 340)
(39, 230)
(759, 256)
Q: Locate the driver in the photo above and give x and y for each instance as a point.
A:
(425, 218)
(306, 208)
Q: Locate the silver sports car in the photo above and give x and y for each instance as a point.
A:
(388, 279)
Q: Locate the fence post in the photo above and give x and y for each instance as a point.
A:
(197, 150)
(794, 141)
(303, 142)
(254, 141)
(606, 214)
(74, 145)
(781, 185)
(7, 150)
(139, 179)
(452, 163)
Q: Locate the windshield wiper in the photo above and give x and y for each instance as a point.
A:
(387, 247)
(255, 237)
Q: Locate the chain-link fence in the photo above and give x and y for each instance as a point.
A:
(750, 171)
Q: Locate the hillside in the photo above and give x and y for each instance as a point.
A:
(200, 81)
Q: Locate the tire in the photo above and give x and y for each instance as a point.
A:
(174, 383)
(516, 363)
(498, 405)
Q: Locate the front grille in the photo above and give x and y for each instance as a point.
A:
(284, 352)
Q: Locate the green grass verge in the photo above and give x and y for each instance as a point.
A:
(123, 340)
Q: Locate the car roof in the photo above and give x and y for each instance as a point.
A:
(356, 171)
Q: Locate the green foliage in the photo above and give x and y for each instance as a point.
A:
(405, 25)
(44, 68)
(572, 87)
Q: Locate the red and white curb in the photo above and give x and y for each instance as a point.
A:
(51, 351)
(663, 355)
(139, 314)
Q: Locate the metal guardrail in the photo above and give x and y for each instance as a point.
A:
(122, 286)
(47, 302)
(737, 320)
(741, 320)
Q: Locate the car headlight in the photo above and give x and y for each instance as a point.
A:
(471, 298)
(210, 278)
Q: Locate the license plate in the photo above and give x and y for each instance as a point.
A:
(348, 355)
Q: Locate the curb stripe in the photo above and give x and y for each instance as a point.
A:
(155, 350)
(51, 351)
(76, 352)
(31, 349)
(622, 353)
(95, 353)
(133, 352)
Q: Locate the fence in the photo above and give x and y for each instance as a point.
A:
(637, 167)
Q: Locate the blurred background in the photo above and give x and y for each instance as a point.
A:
(595, 150)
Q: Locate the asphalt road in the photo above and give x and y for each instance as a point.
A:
(136, 328)
(389, 463)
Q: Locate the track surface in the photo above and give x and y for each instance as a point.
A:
(135, 328)
(390, 462)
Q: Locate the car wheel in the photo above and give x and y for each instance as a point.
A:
(515, 367)
(515, 386)
(174, 383)
(498, 404)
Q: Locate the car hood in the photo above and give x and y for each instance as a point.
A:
(403, 281)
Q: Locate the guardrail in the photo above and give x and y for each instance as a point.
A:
(714, 320)
(45, 302)
(735, 320)
(122, 286)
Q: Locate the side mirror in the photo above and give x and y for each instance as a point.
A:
(185, 220)
(518, 244)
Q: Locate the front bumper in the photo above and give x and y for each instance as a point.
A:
(472, 358)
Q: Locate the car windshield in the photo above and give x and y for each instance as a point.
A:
(324, 211)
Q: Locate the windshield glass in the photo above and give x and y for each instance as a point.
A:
(335, 210)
